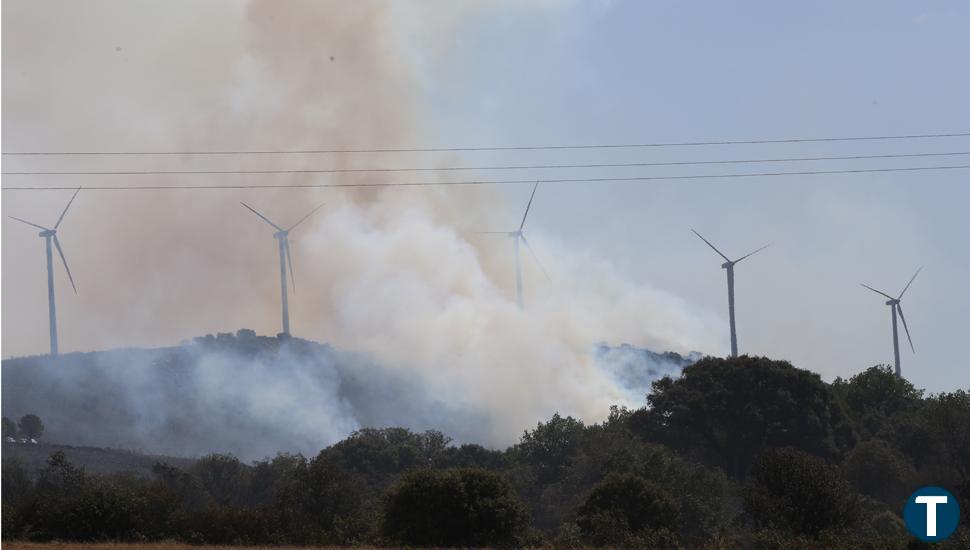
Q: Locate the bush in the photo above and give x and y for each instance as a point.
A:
(876, 469)
(461, 507)
(625, 506)
(794, 491)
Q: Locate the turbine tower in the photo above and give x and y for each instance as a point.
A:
(729, 266)
(282, 235)
(895, 305)
(50, 234)
(517, 237)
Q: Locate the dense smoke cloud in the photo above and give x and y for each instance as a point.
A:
(256, 396)
(395, 275)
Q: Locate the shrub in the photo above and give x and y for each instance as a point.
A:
(876, 469)
(460, 507)
(623, 506)
(794, 491)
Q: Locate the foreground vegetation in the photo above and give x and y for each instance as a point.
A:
(734, 453)
(164, 545)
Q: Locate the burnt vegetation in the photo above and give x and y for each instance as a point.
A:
(734, 453)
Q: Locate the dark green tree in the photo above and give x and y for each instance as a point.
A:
(9, 428)
(461, 507)
(31, 426)
(379, 456)
(224, 478)
(319, 503)
(946, 417)
(876, 469)
(796, 492)
(876, 398)
(623, 507)
(551, 447)
(724, 411)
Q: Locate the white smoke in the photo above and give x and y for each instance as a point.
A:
(393, 274)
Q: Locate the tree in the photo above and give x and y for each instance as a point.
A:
(876, 469)
(225, 479)
(947, 418)
(551, 446)
(321, 503)
(625, 506)
(461, 507)
(797, 492)
(876, 397)
(31, 426)
(725, 410)
(380, 455)
(9, 428)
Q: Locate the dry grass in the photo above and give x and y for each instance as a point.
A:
(16, 545)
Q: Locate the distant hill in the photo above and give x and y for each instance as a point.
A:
(94, 460)
(252, 395)
(635, 369)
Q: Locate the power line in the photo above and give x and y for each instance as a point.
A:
(495, 148)
(494, 182)
(473, 168)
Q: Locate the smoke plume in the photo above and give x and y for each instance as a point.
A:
(395, 275)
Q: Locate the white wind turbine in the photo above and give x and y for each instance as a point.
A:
(729, 266)
(282, 235)
(50, 234)
(895, 305)
(517, 236)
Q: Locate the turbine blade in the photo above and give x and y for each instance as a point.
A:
(66, 207)
(30, 223)
(878, 291)
(910, 282)
(292, 227)
(899, 308)
(264, 218)
(534, 257)
(289, 260)
(57, 244)
(753, 253)
(712, 246)
(534, 187)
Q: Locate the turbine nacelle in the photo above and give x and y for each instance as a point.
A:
(47, 233)
(726, 265)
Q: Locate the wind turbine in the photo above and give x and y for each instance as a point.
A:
(895, 306)
(729, 266)
(50, 234)
(518, 236)
(282, 235)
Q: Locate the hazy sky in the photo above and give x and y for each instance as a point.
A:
(686, 71)
(544, 73)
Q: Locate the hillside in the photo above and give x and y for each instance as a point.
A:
(93, 460)
(254, 396)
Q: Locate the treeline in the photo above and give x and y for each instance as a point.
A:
(734, 453)
(28, 430)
